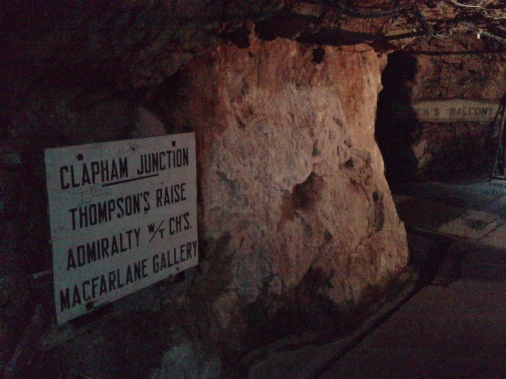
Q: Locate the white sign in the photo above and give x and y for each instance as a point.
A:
(452, 111)
(123, 216)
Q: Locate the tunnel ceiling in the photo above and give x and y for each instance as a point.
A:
(135, 44)
(388, 24)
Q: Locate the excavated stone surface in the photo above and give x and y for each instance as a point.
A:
(297, 225)
(475, 70)
(461, 68)
(291, 180)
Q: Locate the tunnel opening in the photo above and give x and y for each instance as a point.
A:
(396, 121)
(438, 158)
(434, 121)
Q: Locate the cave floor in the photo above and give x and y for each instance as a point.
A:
(451, 326)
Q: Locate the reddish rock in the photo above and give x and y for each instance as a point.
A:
(291, 179)
(295, 214)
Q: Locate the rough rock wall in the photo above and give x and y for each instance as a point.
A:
(291, 181)
(459, 147)
(461, 68)
(296, 219)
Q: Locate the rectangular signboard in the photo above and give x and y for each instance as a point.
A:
(452, 111)
(123, 216)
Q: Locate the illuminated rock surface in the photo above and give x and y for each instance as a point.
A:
(297, 225)
(292, 186)
(296, 219)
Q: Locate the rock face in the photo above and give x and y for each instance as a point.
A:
(297, 224)
(460, 69)
(293, 202)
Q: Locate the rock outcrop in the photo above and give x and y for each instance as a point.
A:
(297, 224)
(293, 202)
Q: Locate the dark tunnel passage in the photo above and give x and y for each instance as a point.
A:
(396, 122)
